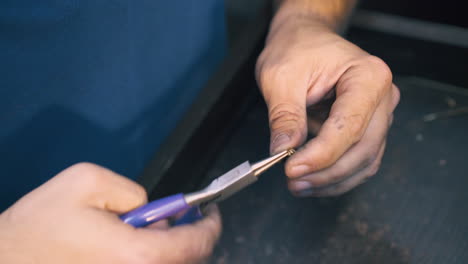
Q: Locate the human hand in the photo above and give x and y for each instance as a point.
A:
(73, 218)
(305, 63)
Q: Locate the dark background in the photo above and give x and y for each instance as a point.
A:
(446, 12)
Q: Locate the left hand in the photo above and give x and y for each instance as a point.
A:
(303, 63)
(73, 219)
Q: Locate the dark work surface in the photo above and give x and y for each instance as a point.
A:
(413, 211)
(410, 56)
(446, 12)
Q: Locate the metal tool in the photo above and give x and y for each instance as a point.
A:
(218, 190)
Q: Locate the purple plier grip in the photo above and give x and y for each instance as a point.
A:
(155, 211)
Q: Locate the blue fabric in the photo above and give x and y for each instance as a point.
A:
(103, 81)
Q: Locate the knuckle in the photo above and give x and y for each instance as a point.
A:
(285, 111)
(377, 73)
(84, 167)
(141, 194)
(380, 68)
(87, 174)
(283, 116)
(93, 177)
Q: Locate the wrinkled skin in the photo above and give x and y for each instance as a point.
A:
(306, 66)
(73, 218)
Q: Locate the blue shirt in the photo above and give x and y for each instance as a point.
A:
(102, 81)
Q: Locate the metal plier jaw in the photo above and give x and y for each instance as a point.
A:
(234, 180)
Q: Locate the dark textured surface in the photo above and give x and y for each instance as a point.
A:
(413, 211)
(447, 12)
(410, 56)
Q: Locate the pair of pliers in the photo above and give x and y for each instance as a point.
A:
(218, 190)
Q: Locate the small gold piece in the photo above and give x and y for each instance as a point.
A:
(291, 152)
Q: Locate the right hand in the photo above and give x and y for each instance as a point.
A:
(73, 218)
(303, 65)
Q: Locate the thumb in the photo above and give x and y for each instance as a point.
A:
(288, 119)
(104, 189)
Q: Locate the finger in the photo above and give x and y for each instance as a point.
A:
(358, 93)
(285, 97)
(355, 159)
(188, 243)
(104, 189)
(347, 184)
(348, 166)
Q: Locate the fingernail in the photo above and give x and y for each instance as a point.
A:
(299, 186)
(300, 170)
(278, 143)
